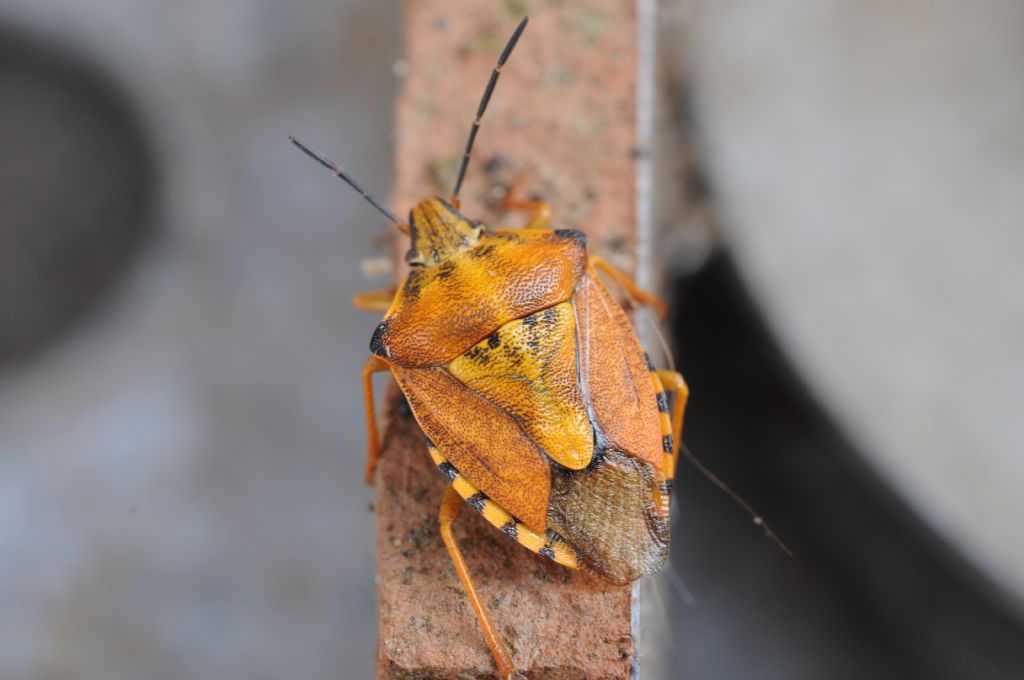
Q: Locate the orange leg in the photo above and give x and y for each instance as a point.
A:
(636, 292)
(373, 365)
(674, 381)
(374, 300)
(451, 506)
(524, 232)
(540, 211)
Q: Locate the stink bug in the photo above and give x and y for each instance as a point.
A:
(538, 404)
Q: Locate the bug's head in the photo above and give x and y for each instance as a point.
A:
(436, 228)
(437, 231)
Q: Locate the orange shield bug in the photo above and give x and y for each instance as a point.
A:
(538, 404)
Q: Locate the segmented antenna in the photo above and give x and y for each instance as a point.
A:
(333, 167)
(483, 106)
(757, 519)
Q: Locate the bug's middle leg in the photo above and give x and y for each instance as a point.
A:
(451, 506)
(373, 365)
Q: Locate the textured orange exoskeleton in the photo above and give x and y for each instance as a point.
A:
(571, 448)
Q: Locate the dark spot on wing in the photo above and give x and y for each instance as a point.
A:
(478, 355)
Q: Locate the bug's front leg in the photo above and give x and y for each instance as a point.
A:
(451, 506)
(636, 292)
(374, 300)
(540, 211)
(373, 365)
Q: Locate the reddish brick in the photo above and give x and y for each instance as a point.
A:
(563, 120)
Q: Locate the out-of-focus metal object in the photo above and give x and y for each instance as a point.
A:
(174, 471)
(867, 168)
(76, 192)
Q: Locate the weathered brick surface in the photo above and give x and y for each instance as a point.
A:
(556, 622)
(563, 121)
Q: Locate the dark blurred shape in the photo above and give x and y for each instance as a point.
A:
(76, 181)
(871, 591)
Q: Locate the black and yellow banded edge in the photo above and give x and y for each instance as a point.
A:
(668, 444)
(551, 545)
(664, 477)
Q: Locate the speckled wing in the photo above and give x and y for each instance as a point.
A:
(443, 310)
(486, 444)
(528, 368)
(614, 374)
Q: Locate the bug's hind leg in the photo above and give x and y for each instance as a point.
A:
(451, 506)
(550, 545)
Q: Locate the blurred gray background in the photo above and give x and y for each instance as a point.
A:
(181, 483)
(181, 433)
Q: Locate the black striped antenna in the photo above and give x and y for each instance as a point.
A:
(337, 170)
(713, 478)
(483, 106)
